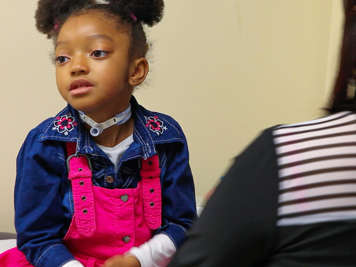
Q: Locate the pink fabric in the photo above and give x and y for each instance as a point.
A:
(106, 222)
(14, 257)
(151, 187)
(83, 197)
(117, 221)
(120, 219)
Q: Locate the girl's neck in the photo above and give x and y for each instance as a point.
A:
(115, 134)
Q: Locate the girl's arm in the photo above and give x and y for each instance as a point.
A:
(39, 215)
(178, 193)
(238, 225)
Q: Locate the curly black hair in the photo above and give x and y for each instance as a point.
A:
(51, 15)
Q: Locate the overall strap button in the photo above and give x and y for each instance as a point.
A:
(124, 198)
(109, 179)
(126, 239)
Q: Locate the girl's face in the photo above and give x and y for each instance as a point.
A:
(93, 64)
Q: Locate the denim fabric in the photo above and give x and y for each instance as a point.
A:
(43, 198)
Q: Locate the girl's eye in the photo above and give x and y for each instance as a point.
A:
(99, 53)
(61, 59)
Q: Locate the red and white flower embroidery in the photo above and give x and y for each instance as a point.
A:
(64, 124)
(155, 125)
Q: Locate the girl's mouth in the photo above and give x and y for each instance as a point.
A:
(79, 87)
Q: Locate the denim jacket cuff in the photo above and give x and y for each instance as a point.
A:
(176, 233)
(54, 256)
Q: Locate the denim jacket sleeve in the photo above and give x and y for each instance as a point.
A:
(39, 215)
(178, 195)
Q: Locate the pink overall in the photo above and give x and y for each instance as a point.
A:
(106, 222)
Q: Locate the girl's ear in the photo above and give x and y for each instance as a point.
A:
(138, 71)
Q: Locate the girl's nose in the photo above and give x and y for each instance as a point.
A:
(79, 66)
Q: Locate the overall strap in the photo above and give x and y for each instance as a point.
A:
(151, 190)
(80, 175)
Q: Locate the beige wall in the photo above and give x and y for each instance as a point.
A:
(224, 69)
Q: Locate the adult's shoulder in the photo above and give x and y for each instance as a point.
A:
(261, 146)
(329, 120)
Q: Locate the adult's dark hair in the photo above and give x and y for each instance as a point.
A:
(51, 15)
(340, 100)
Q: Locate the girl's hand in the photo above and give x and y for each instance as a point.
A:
(122, 261)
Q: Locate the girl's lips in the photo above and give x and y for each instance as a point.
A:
(80, 90)
(80, 87)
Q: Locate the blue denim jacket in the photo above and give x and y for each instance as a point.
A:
(43, 199)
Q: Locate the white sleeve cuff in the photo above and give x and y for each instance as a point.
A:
(156, 252)
(7, 244)
(73, 263)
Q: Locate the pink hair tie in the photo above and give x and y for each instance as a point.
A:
(134, 18)
(56, 26)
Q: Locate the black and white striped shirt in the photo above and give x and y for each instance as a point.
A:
(317, 170)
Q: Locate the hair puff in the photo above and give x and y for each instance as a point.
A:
(49, 13)
(148, 12)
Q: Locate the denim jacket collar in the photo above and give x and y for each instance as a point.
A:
(151, 128)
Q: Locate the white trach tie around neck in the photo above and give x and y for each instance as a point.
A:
(97, 128)
(102, 2)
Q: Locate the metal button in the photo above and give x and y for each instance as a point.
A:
(152, 190)
(124, 198)
(84, 198)
(81, 182)
(85, 211)
(150, 162)
(109, 179)
(152, 204)
(80, 169)
(126, 239)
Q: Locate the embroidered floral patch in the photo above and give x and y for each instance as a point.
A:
(64, 124)
(155, 125)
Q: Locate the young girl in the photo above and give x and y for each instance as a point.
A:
(105, 182)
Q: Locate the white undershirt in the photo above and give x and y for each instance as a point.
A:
(115, 153)
(158, 250)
